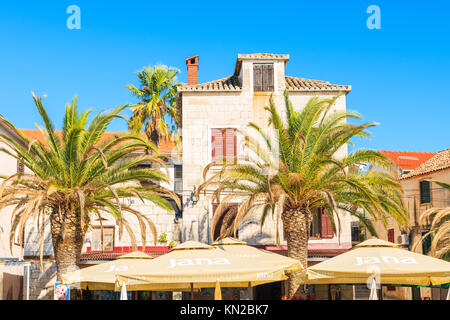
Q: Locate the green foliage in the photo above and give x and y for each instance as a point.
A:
(78, 172)
(157, 99)
(298, 169)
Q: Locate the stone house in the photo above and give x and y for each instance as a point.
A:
(416, 174)
(213, 116)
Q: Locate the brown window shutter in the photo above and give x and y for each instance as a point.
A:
(257, 77)
(230, 145)
(267, 77)
(327, 226)
(391, 235)
(217, 145)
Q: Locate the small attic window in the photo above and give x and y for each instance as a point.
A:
(192, 61)
(263, 77)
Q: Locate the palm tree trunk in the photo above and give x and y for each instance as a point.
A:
(296, 225)
(67, 239)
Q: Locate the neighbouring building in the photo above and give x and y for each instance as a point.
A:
(40, 285)
(11, 269)
(416, 171)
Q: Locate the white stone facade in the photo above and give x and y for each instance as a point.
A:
(207, 109)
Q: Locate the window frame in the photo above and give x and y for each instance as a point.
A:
(238, 141)
(98, 228)
(263, 87)
(420, 192)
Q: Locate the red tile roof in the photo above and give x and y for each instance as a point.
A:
(165, 146)
(119, 251)
(407, 160)
(160, 250)
(439, 161)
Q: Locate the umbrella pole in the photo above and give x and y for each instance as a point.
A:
(192, 291)
(448, 293)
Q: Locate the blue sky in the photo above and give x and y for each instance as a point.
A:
(400, 75)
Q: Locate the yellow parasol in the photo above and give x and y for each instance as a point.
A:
(242, 250)
(103, 276)
(197, 265)
(381, 260)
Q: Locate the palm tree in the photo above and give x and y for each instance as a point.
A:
(157, 94)
(294, 175)
(76, 176)
(438, 222)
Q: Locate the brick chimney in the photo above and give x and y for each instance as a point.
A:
(192, 68)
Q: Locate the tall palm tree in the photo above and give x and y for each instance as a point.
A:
(157, 99)
(438, 222)
(77, 176)
(294, 175)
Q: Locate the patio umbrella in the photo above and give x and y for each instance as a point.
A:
(242, 250)
(103, 276)
(382, 260)
(123, 293)
(373, 290)
(199, 265)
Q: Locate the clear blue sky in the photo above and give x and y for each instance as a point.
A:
(400, 75)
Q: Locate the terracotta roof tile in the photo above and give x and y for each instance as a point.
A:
(439, 161)
(231, 83)
(35, 134)
(301, 84)
(270, 56)
(408, 160)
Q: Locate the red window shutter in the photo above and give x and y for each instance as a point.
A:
(391, 235)
(230, 145)
(327, 226)
(217, 145)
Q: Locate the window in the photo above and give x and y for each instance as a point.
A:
(108, 239)
(263, 77)
(321, 226)
(140, 167)
(226, 220)
(224, 145)
(405, 172)
(425, 191)
(356, 231)
(426, 243)
(391, 237)
(178, 179)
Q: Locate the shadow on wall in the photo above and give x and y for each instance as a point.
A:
(32, 243)
(256, 237)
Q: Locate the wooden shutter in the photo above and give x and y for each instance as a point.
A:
(327, 226)
(267, 78)
(425, 192)
(230, 145)
(217, 145)
(391, 235)
(257, 77)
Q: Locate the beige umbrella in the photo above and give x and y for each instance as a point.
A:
(198, 265)
(382, 260)
(103, 276)
(242, 250)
